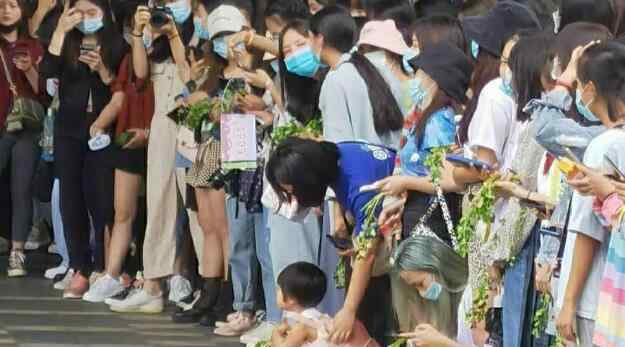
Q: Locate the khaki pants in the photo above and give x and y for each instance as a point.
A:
(164, 182)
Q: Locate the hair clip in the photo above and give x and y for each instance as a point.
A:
(353, 50)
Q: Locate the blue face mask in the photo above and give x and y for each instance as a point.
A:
(433, 292)
(408, 56)
(475, 49)
(303, 63)
(583, 109)
(220, 47)
(417, 93)
(90, 25)
(180, 10)
(506, 84)
(200, 31)
(275, 65)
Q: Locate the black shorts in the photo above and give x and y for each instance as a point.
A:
(133, 161)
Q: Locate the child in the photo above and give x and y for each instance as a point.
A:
(301, 287)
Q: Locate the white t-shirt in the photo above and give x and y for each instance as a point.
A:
(494, 126)
(584, 220)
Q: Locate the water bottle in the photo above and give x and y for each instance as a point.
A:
(47, 138)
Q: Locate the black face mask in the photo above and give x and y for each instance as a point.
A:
(8, 29)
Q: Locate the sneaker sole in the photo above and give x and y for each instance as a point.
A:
(16, 273)
(149, 310)
(71, 296)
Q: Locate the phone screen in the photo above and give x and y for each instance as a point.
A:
(615, 168)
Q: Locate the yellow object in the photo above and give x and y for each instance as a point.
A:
(567, 166)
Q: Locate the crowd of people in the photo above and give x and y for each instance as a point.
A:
(324, 172)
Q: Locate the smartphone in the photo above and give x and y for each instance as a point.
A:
(340, 243)
(86, 48)
(460, 160)
(21, 49)
(615, 168)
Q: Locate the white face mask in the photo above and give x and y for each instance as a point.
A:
(377, 57)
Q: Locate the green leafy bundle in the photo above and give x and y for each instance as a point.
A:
(479, 308)
(263, 344)
(541, 316)
(312, 129)
(340, 274)
(369, 231)
(481, 209)
(434, 162)
(399, 342)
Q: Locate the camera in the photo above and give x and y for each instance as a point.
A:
(159, 16)
(21, 49)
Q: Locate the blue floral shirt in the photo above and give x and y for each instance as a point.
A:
(440, 130)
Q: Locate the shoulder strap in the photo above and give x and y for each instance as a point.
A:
(7, 73)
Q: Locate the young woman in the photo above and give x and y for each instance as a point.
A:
(132, 107)
(351, 80)
(300, 171)
(591, 11)
(159, 54)
(443, 74)
(596, 72)
(19, 151)
(84, 54)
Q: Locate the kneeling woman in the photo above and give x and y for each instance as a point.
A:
(300, 171)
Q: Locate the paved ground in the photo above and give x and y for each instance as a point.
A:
(32, 314)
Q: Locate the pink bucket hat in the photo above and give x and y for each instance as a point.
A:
(383, 34)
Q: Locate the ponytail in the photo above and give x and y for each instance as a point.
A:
(386, 113)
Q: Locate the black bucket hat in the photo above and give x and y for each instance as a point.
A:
(448, 66)
(493, 29)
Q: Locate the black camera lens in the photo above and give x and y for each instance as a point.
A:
(159, 16)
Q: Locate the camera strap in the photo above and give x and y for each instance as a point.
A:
(7, 73)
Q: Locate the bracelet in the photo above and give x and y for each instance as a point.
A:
(136, 35)
(564, 84)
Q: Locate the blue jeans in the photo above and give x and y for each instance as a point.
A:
(520, 297)
(249, 246)
(57, 224)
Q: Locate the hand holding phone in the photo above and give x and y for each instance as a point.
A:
(460, 160)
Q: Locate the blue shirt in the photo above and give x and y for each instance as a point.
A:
(440, 130)
(360, 164)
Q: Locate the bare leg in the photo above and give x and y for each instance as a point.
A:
(126, 193)
(214, 224)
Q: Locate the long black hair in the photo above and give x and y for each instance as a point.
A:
(109, 39)
(530, 61)
(306, 165)
(604, 65)
(339, 31)
(300, 94)
(434, 29)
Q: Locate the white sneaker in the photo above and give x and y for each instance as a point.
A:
(94, 277)
(53, 272)
(103, 288)
(179, 288)
(261, 333)
(139, 302)
(64, 283)
(117, 300)
(17, 264)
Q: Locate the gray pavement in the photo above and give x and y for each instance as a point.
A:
(32, 314)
